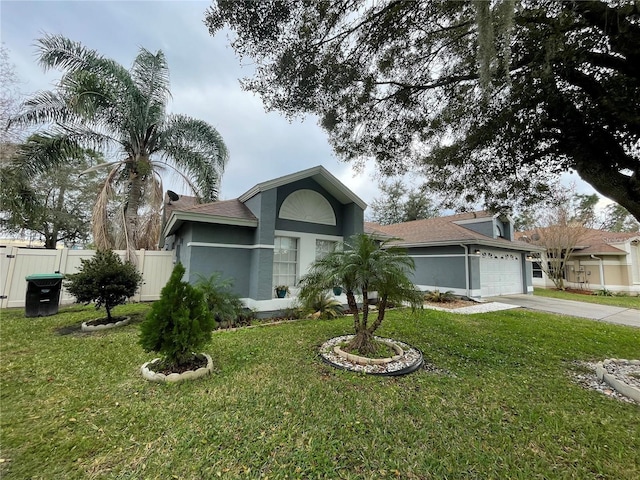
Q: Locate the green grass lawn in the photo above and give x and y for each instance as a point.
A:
(74, 405)
(614, 301)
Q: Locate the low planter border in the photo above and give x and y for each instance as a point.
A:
(613, 381)
(85, 327)
(152, 376)
(410, 360)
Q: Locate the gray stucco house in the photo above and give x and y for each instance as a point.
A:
(266, 237)
(472, 254)
(271, 234)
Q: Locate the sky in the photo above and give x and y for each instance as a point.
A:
(205, 83)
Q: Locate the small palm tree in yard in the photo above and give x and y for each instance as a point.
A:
(364, 265)
(99, 104)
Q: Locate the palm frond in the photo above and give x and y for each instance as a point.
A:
(197, 149)
(43, 107)
(150, 74)
(57, 51)
(44, 151)
(102, 225)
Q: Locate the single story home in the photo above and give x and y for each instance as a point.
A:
(267, 237)
(271, 234)
(600, 260)
(473, 254)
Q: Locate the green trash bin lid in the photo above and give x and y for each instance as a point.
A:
(44, 276)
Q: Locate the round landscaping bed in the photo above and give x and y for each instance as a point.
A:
(149, 374)
(104, 323)
(407, 359)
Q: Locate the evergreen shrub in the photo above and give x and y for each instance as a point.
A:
(105, 280)
(179, 324)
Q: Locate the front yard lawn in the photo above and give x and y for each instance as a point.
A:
(613, 301)
(501, 405)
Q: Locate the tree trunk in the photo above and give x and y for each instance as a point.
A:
(362, 343)
(131, 218)
(353, 306)
(107, 307)
(382, 306)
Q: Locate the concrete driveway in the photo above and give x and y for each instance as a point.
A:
(603, 313)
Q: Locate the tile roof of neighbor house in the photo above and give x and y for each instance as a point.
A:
(442, 230)
(596, 241)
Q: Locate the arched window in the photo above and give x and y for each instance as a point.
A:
(307, 206)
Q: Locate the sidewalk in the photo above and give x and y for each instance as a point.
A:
(603, 313)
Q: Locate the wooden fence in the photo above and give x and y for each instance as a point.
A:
(18, 263)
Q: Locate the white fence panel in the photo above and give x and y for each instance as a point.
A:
(156, 270)
(18, 263)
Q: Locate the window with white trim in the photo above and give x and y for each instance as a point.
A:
(324, 247)
(285, 261)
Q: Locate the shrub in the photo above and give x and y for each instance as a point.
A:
(224, 304)
(179, 323)
(322, 305)
(105, 280)
(439, 297)
(603, 293)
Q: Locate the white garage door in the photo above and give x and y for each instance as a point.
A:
(500, 273)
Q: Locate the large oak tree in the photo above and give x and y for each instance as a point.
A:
(490, 100)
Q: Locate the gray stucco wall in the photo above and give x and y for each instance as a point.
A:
(353, 220)
(216, 233)
(230, 263)
(486, 228)
(183, 252)
(435, 268)
(263, 206)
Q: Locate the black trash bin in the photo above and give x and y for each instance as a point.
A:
(43, 294)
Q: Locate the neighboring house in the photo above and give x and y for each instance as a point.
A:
(268, 236)
(600, 260)
(472, 254)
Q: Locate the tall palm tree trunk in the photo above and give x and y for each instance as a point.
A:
(131, 216)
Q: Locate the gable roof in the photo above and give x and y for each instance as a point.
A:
(320, 174)
(225, 212)
(235, 212)
(596, 242)
(444, 231)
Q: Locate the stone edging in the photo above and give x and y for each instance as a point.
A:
(410, 361)
(620, 386)
(176, 377)
(371, 361)
(94, 328)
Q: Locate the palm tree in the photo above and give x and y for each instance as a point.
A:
(364, 264)
(99, 104)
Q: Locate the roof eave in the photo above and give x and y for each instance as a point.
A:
(310, 172)
(476, 241)
(177, 218)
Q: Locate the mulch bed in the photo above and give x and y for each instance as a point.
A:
(196, 362)
(458, 303)
(104, 321)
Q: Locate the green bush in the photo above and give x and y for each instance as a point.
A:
(179, 323)
(225, 305)
(105, 280)
(321, 305)
(438, 296)
(603, 293)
